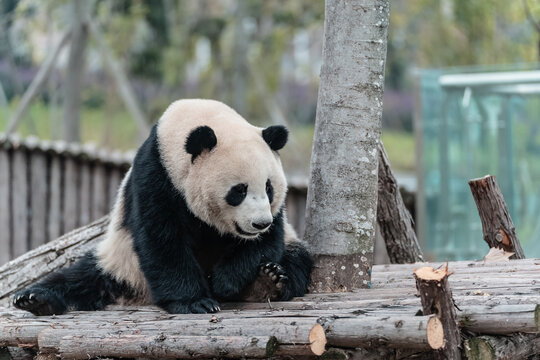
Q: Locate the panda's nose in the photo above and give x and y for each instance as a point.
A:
(261, 225)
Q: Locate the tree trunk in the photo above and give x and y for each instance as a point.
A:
(75, 71)
(436, 298)
(342, 195)
(394, 219)
(497, 226)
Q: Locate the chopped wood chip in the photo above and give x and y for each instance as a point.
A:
(497, 254)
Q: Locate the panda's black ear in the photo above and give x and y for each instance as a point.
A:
(275, 136)
(200, 139)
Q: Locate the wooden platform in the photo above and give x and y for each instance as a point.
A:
(492, 298)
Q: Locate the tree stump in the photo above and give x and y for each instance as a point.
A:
(394, 219)
(497, 226)
(437, 299)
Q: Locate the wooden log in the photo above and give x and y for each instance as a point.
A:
(515, 347)
(20, 327)
(356, 330)
(71, 202)
(52, 256)
(497, 225)
(20, 198)
(5, 206)
(436, 298)
(394, 220)
(164, 346)
(38, 199)
(55, 226)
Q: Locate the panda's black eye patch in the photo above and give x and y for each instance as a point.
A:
(269, 190)
(236, 194)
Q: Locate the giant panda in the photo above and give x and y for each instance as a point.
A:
(199, 218)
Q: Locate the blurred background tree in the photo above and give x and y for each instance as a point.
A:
(261, 57)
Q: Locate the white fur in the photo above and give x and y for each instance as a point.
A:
(116, 255)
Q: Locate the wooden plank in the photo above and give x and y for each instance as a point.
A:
(20, 203)
(115, 178)
(85, 194)
(70, 199)
(55, 225)
(38, 199)
(5, 206)
(99, 191)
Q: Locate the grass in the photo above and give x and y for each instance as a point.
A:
(117, 130)
(111, 129)
(400, 149)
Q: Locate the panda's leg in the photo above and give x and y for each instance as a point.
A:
(82, 286)
(296, 264)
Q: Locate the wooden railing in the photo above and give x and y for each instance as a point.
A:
(50, 188)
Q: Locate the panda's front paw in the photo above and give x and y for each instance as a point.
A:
(39, 302)
(200, 306)
(275, 273)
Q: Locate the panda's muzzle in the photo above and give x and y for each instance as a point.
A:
(242, 232)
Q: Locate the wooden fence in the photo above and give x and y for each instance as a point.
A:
(50, 188)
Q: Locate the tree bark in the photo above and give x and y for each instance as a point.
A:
(497, 226)
(342, 195)
(436, 298)
(394, 219)
(516, 347)
(75, 70)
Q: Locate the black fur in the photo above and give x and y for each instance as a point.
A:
(269, 191)
(276, 136)
(200, 139)
(186, 262)
(81, 287)
(236, 194)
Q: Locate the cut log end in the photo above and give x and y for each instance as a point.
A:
(435, 333)
(317, 339)
(429, 273)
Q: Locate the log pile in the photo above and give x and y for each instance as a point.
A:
(492, 300)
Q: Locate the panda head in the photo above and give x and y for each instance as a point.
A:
(228, 171)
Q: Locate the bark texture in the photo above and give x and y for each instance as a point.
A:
(497, 225)
(516, 347)
(342, 194)
(436, 298)
(395, 221)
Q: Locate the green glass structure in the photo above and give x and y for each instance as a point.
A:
(474, 122)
